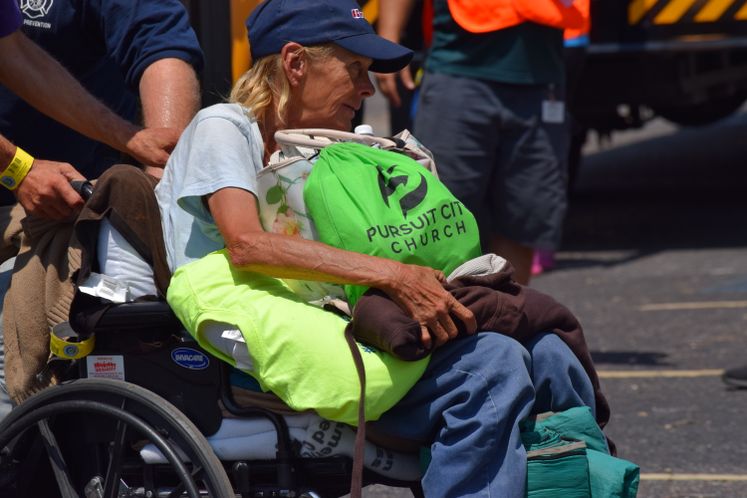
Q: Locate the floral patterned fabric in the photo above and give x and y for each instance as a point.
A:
(282, 210)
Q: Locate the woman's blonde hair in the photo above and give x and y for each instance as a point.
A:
(266, 83)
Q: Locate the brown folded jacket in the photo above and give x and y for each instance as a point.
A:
(498, 303)
(124, 195)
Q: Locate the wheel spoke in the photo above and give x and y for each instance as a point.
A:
(116, 451)
(179, 489)
(56, 460)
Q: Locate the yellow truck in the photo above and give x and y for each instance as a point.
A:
(684, 60)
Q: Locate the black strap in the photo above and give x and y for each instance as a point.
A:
(356, 480)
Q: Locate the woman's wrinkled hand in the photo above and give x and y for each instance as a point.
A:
(419, 291)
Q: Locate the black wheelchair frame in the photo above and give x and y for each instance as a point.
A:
(81, 438)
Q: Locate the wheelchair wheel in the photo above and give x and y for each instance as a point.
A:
(82, 439)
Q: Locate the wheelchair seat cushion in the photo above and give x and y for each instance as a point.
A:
(298, 351)
(255, 439)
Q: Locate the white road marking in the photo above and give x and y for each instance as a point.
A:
(643, 374)
(698, 305)
(674, 476)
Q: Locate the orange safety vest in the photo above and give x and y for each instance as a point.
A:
(483, 16)
(578, 32)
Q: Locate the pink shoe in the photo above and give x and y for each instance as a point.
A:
(542, 261)
(546, 259)
(536, 266)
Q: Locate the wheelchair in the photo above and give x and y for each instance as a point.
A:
(148, 413)
(136, 416)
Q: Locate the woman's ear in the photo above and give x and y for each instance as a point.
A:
(295, 62)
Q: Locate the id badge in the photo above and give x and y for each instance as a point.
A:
(553, 111)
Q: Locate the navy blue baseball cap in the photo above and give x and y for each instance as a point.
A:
(273, 23)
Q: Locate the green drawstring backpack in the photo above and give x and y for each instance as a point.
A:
(384, 203)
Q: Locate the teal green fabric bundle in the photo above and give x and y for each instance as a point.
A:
(386, 204)
(612, 477)
(555, 466)
(558, 473)
(575, 423)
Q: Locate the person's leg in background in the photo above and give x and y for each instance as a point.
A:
(498, 154)
(520, 255)
(529, 198)
(458, 119)
(574, 56)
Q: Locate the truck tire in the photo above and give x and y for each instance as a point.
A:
(703, 113)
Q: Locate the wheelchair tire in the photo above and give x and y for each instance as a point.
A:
(111, 409)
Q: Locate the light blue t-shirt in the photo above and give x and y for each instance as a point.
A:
(222, 147)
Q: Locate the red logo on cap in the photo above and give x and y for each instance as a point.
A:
(357, 14)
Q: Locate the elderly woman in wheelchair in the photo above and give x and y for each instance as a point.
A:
(463, 402)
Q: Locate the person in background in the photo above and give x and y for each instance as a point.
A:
(492, 111)
(414, 36)
(402, 97)
(140, 60)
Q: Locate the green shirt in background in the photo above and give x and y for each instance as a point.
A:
(525, 54)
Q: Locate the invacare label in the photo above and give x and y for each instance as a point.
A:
(105, 367)
(190, 358)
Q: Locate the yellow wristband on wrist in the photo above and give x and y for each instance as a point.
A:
(17, 170)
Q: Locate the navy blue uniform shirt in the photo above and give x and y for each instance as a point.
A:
(106, 45)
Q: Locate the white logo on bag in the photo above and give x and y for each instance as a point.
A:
(35, 8)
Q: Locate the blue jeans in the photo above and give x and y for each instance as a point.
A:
(469, 403)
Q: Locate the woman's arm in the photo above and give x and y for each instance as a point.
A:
(417, 289)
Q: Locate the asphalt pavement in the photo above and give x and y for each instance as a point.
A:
(654, 263)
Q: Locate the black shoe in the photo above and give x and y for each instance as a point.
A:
(736, 377)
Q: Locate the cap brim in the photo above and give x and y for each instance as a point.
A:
(388, 57)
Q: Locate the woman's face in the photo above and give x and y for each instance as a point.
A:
(332, 90)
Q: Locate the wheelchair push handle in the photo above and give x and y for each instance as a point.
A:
(83, 187)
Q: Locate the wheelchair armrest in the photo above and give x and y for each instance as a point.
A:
(138, 315)
(125, 326)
